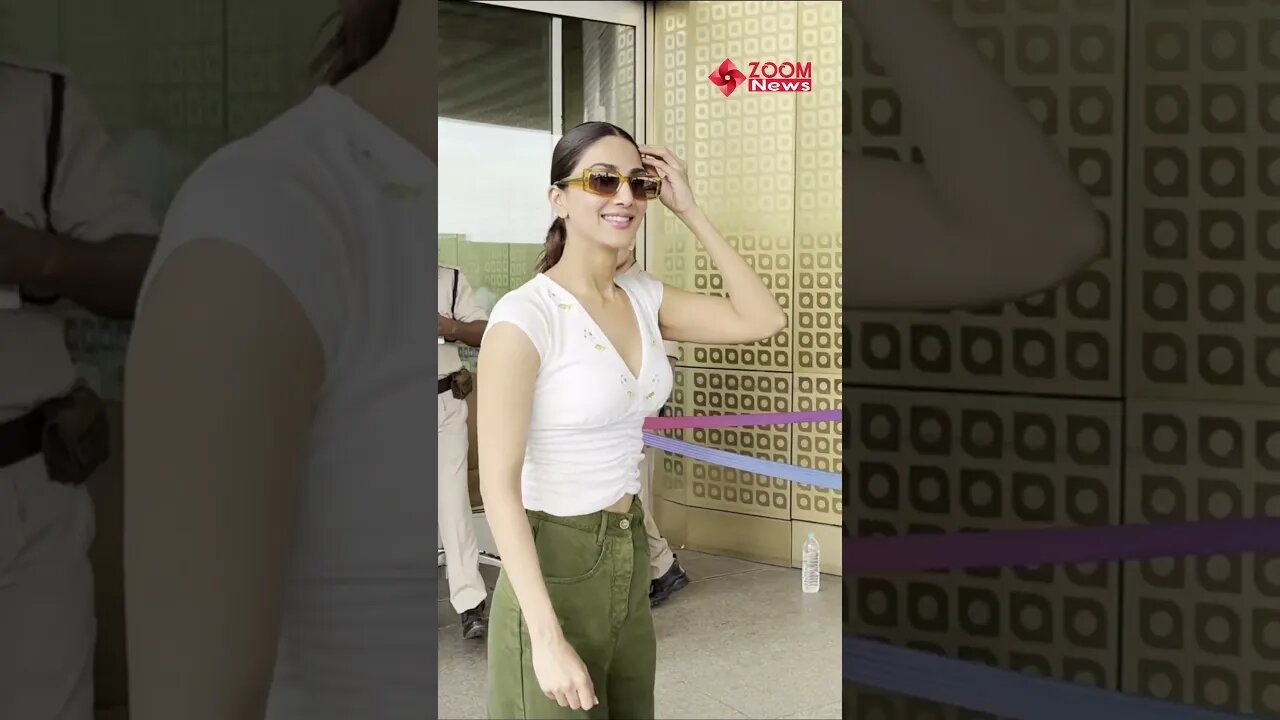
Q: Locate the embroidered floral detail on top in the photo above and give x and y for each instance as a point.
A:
(591, 338)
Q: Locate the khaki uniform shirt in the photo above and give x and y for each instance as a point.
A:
(88, 203)
(466, 310)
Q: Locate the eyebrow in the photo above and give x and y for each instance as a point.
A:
(611, 166)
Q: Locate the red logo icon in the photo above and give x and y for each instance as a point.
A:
(727, 77)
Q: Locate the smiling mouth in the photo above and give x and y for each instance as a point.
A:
(620, 222)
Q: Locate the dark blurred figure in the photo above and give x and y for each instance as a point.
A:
(70, 235)
(461, 321)
(277, 510)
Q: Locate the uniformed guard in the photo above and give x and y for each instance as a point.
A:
(70, 235)
(664, 567)
(462, 322)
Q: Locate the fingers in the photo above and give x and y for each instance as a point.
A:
(578, 696)
(664, 169)
(668, 161)
(663, 154)
(586, 696)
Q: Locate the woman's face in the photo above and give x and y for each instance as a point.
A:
(610, 221)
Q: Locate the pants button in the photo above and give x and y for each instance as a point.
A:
(624, 523)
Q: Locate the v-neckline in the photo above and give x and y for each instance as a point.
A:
(613, 348)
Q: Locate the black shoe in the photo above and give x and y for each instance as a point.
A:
(675, 579)
(473, 623)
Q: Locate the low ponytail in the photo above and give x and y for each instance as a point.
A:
(554, 247)
(564, 158)
(363, 29)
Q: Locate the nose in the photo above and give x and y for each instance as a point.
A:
(624, 197)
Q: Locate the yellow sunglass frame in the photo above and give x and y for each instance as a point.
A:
(582, 181)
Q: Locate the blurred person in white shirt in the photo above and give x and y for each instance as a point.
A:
(72, 235)
(461, 321)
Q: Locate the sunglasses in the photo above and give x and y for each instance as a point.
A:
(599, 181)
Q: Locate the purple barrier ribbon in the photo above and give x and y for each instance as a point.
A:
(997, 691)
(746, 463)
(879, 555)
(720, 421)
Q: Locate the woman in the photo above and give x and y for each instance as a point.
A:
(278, 536)
(571, 364)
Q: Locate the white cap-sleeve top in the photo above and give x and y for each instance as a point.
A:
(585, 439)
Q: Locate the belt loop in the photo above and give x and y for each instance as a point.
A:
(604, 527)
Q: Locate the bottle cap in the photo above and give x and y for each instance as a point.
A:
(811, 537)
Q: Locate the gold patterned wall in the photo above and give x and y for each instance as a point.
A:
(608, 76)
(1142, 391)
(766, 168)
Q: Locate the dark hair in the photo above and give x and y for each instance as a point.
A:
(563, 160)
(363, 29)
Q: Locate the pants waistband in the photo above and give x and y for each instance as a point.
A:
(602, 522)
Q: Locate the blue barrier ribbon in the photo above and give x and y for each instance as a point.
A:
(746, 463)
(1000, 692)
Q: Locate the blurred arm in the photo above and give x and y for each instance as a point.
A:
(994, 215)
(749, 314)
(221, 392)
(507, 369)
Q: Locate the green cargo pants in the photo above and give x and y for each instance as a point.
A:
(596, 568)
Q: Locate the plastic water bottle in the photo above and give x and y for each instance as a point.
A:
(809, 573)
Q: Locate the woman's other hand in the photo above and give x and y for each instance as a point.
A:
(676, 193)
(562, 675)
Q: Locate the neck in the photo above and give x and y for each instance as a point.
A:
(398, 85)
(587, 267)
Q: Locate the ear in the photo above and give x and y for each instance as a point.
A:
(558, 202)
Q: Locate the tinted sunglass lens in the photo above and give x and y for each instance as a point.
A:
(602, 183)
(644, 187)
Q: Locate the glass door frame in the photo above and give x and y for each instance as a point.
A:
(635, 14)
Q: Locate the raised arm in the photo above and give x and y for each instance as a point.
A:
(994, 214)
(749, 313)
(506, 370)
(220, 398)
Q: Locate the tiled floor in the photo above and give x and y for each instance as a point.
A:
(741, 641)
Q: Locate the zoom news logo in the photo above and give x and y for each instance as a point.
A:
(786, 76)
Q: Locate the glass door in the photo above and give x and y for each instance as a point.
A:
(513, 76)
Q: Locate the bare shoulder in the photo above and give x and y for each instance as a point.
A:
(532, 296)
(644, 283)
